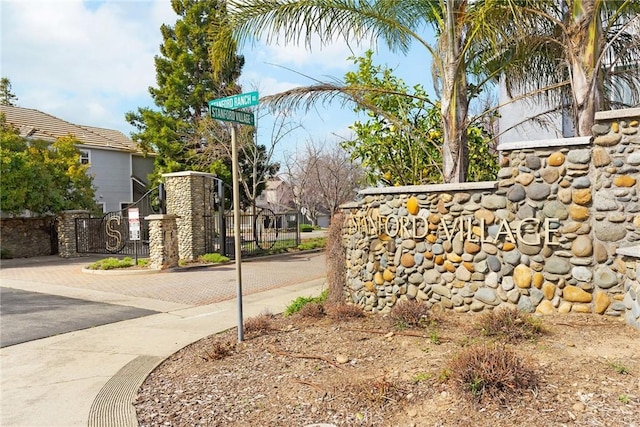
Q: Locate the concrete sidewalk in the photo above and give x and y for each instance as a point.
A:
(90, 377)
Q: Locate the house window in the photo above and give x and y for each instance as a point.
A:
(85, 157)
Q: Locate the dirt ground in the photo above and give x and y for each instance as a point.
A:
(369, 372)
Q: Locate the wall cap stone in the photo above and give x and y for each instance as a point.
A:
(431, 188)
(350, 205)
(188, 173)
(156, 217)
(617, 114)
(538, 143)
(632, 251)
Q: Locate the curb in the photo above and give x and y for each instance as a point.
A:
(114, 403)
(120, 271)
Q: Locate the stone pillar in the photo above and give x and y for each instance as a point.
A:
(187, 197)
(66, 229)
(631, 258)
(632, 296)
(616, 164)
(163, 241)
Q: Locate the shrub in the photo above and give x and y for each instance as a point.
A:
(213, 258)
(511, 324)
(297, 304)
(490, 372)
(314, 310)
(309, 244)
(219, 350)
(380, 392)
(306, 228)
(259, 324)
(5, 254)
(409, 313)
(344, 311)
(111, 263)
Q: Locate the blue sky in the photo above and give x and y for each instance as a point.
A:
(89, 62)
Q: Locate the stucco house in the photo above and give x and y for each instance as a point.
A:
(118, 166)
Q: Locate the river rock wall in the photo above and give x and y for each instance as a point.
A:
(543, 237)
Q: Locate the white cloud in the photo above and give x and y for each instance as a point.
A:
(252, 80)
(328, 58)
(89, 62)
(80, 60)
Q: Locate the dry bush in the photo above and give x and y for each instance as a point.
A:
(490, 372)
(219, 350)
(259, 324)
(313, 310)
(379, 392)
(336, 260)
(410, 314)
(344, 311)
(510, 324)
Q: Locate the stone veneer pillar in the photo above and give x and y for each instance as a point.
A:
(631, 257)
(186, 197)
(163, 241)
(66, 229)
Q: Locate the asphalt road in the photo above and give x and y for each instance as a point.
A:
(28, 316)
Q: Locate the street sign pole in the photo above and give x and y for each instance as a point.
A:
(229, 109)
(236, 227)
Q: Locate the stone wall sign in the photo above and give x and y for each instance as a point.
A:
(548, 236)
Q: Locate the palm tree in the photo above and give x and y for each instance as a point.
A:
(585, 51)
(395, 22)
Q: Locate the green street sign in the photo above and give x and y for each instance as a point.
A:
(235, 102)
(228, 115)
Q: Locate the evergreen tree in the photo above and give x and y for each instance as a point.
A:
(185, 83)
(6, 96)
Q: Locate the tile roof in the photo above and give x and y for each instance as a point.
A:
(38, 125)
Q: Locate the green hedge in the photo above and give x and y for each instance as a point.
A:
(305, 228)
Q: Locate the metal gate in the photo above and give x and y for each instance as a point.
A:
(263, 232)
(260, 233)
(109, 234)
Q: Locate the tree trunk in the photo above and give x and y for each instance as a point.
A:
(454, 102)
(454, 149)
(586, 95)
(584, 64)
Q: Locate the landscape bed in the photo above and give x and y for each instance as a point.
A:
(380, 371)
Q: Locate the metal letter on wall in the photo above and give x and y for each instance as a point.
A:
(113, 242)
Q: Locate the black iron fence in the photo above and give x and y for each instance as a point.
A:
(259, 233)
(110, 235)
